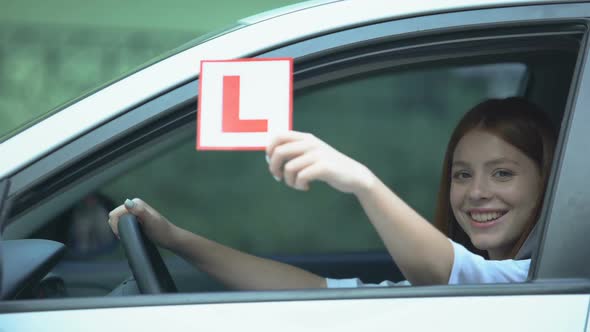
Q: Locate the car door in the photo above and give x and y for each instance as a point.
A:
(556, 298)
(330, 101)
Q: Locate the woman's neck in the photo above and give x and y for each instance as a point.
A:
(498, 254)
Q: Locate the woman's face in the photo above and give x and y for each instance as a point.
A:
(494, 190)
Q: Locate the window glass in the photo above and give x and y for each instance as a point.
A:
(395, 122)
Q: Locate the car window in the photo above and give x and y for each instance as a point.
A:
(395, 122)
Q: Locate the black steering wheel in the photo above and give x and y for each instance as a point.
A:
(150, 272)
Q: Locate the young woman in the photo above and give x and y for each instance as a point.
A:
(494, 177)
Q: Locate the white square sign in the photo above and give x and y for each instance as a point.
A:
(243, 103)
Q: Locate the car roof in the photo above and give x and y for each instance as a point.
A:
(254, 35)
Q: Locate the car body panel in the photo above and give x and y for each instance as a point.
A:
(518, 313)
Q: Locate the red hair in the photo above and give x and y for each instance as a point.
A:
(519, 123)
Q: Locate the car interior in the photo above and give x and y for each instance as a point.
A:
(368, 101)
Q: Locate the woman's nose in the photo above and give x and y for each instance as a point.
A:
(479, 189)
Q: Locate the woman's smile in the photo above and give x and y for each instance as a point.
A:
(486, 218)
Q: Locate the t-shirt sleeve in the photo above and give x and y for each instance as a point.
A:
(357, 283)
(469, 268)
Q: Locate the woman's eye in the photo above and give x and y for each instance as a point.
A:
(503, 174)
(461, 175)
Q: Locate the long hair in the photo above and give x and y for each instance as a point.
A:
(519, 123)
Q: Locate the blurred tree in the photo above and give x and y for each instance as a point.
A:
(52, 52)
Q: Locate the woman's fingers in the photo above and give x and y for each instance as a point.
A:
(283, 138)
(294, 166)
(300, 158)
(136, 207)
(140, 209)
(307, 175)
(290, 154)
(284, 153)
(114, 218)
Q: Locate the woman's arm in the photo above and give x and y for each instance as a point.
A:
(423, 254)
(239, 270)
(233, 268)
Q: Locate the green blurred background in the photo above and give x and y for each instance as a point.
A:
(54, 51)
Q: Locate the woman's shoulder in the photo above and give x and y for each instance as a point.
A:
(470, 268)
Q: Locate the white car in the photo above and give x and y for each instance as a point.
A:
(382, 81)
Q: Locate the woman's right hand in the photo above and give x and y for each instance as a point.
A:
(156, 227)
(299, 158)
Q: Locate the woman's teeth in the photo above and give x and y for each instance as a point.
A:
(486, 217)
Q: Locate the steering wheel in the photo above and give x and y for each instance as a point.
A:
(150, 272)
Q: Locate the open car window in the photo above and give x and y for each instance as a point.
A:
(395, 116)
(231, 197)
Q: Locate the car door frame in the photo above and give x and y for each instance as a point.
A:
(111, 273)
(564, 244)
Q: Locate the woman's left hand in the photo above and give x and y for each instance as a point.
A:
(298, 158)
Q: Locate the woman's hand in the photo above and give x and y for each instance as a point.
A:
(299, 158)
(155, 226)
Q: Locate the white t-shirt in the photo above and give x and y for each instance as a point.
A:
(468, 268)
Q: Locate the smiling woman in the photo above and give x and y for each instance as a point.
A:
(493, 182)
(496, 169)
